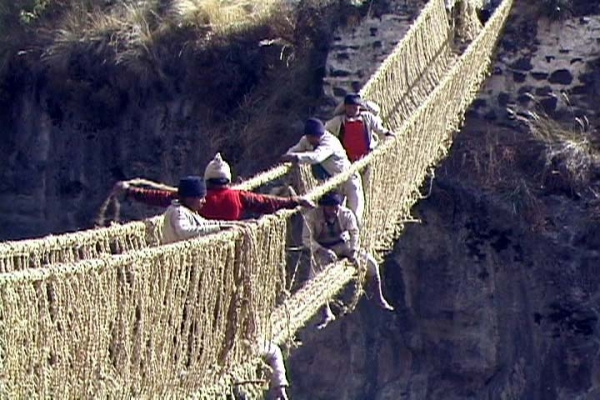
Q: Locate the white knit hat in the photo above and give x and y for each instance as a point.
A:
(217, 169)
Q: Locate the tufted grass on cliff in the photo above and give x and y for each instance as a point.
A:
(224, 16)
(134, 33)
(569, 148)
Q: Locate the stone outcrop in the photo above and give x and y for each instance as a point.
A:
(496, 291)
(547, 59)
(358, 49)
(486, 308)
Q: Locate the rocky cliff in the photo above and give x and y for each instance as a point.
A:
(497, 290)
(75, 118)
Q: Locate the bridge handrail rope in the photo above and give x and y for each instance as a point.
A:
(395, 73)
(94, 243)
(475, 61)
(297, 310)
(180, 318)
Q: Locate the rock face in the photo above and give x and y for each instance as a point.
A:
(547, 59)
(358, 49)
(485, 309)
(496, 291)
(55, 177)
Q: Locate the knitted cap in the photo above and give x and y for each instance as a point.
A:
(217, 169)
(353, 99)
(314, 127)
(330, 199)
(191, 186)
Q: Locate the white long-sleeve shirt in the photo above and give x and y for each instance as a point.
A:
(181, 223)
(329, 153)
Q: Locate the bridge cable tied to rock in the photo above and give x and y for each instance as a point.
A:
(112, 313)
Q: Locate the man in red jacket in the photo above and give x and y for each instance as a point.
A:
(222, 202)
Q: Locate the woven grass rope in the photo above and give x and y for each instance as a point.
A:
(183, 319)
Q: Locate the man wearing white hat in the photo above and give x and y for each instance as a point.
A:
(221, 202)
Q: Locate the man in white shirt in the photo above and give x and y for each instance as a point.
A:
(182, 220)
(272, 355)
(325, 154)
(357, 128)
(331, 233)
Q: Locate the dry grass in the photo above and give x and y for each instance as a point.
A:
(138, 45)
(135, 22)
(128, 32)
(224, 16)
(568, 148)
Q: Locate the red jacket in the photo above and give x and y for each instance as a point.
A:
(223, 203)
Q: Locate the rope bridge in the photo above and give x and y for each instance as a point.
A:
(110, 312)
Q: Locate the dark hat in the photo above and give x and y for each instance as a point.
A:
(353, 99)
(330, 199)
(191, 186)
(314, 127)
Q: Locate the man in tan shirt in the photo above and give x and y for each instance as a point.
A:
(331, 233)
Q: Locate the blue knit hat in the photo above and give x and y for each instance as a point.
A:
(353, 100)
(314, 127)
(330, 199)
(191, 186)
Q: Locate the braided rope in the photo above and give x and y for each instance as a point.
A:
(389, 86)
(181, 318)
(94, 243)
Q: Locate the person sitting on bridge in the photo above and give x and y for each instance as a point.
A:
(222, 202)
(331, 233)
(358, 128)
(324, 152)
(182, 219)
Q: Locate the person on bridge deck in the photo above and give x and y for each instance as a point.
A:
(360, 129)
(357, 128)
(221, 202)
(331, 233)
(324, 152)
(182, 219)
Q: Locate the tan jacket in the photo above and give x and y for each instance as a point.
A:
(181, 223)
(314, 224)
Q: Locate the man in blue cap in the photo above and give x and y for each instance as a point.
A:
(331, 233)
(182, 219)
(358, 129)
(325, 154)
(181, 222)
